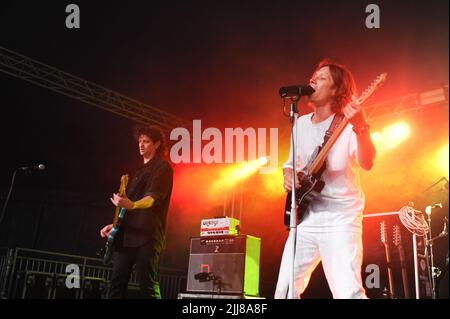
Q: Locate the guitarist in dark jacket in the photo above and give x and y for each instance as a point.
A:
(141, 237)
(331, 229)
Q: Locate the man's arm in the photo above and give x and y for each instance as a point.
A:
(366, 149)
(126, 203)
(145, 202)
(156, 188)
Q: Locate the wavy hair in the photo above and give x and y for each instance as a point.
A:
(344, 83)
(156, 134)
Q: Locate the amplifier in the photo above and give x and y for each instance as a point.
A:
(224, 265)
(219, 226)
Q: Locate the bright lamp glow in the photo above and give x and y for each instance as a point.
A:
(391, 136)
(236, 173)
(442, 159)
(395, 134)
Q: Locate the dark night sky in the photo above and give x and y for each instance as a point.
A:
(219, 61)
(199, 59)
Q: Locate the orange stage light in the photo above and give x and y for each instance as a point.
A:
(237, 173)
(392, 136)
(376, 136)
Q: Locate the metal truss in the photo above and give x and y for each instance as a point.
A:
(62, 82)
(408, 103)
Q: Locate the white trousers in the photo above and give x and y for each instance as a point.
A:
(341, 255)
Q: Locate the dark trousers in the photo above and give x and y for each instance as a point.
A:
(145, 259)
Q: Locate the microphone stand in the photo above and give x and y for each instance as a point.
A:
(429, 245)
(293, 217)
(8, 196)
(2, 214)
(431, 258)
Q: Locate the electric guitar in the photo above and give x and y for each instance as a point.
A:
(118, 218)
(310, 176)
(384, 239)
(401, 252)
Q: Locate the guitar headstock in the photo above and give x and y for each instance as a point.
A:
(383, 233)
(372, 87)
(123, 185)
(397, 236)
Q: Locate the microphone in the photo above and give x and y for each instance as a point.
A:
(445, 230)
(39, 167)
(430, 207)
(296, 90)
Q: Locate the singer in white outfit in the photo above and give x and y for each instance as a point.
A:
(331, 230)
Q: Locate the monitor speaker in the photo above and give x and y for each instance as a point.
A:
(224, 265)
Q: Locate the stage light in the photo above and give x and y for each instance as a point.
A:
(395, 134)
(238, 172)
(376, 136)
(391, 136)
(263, 160)
(246, 169)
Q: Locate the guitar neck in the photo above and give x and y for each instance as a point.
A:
(317, 164)
(389, 269)
(401, 253)
(122, 193)
(322, 156)
(116, 216)
(388, 253)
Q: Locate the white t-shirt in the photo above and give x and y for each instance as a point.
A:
(340, 205)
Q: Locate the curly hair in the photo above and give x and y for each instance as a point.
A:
(156, 134)
(343, 82)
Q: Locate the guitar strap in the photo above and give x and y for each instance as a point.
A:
(338, 117)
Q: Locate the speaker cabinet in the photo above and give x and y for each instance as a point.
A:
(224, 265)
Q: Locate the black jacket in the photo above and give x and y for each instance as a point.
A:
(140, 226)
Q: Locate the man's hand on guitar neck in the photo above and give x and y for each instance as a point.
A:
(126, 203)
(105, 231)
(355, 113)
(287, 174)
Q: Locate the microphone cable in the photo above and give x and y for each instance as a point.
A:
(413, 220)
(2, 215)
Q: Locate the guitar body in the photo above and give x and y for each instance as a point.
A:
(109, 247)
(119, 215)
(310, 188)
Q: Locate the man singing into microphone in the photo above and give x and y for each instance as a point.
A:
(331, 230)
(142, 235)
